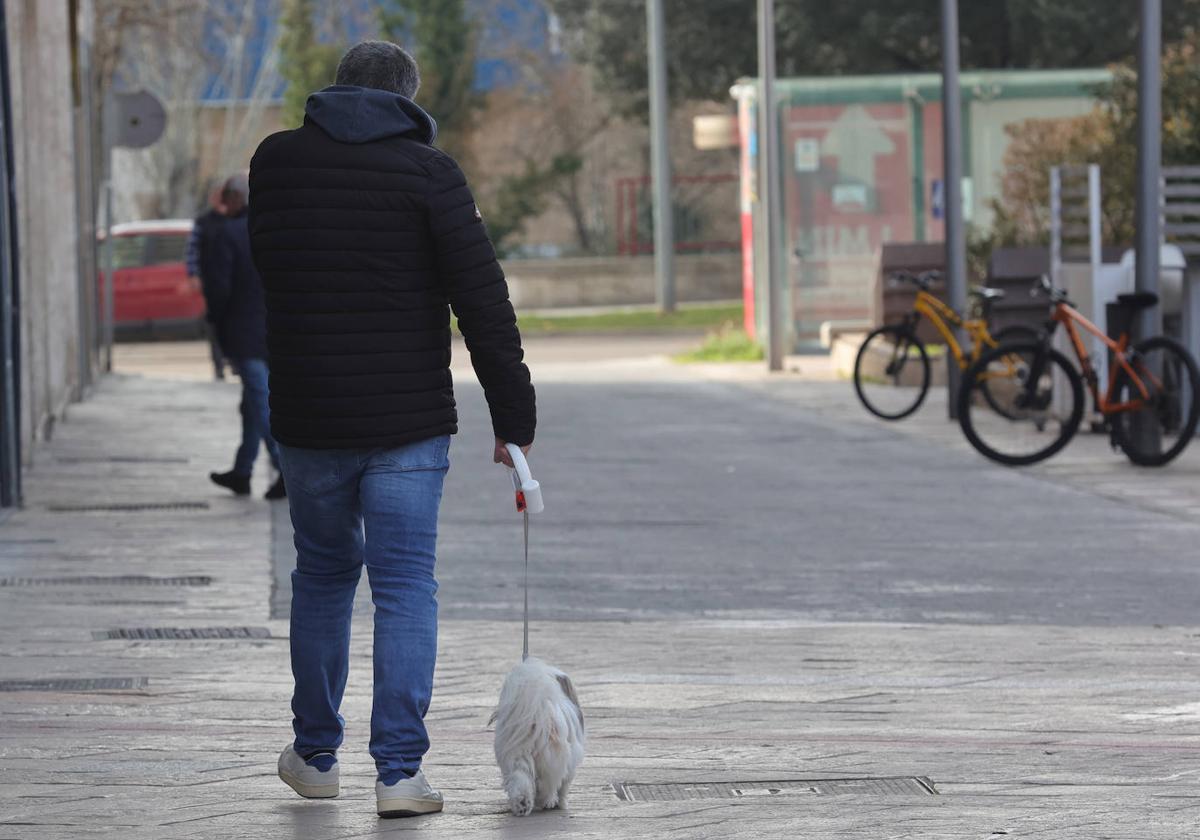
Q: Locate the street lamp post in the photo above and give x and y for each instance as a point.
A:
(769, 185)
(1149, 190)
(956, 242)
(660, 156)
(1149, 160)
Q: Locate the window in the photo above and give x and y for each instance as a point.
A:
(129, 251)
(166, 248)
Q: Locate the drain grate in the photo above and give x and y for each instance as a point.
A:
(130, 507)
(116, 459)
(887, 786)
(113, 580)
(183, 633)
(78, 684)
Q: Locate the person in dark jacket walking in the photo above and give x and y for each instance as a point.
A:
(366, 237)
(238, 312)
(201, 247)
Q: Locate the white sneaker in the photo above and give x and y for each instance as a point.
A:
(407, 798)
(307, 781)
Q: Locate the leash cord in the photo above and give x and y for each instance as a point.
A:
(525, 651)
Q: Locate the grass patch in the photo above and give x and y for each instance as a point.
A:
(729, 344)
(691, 318)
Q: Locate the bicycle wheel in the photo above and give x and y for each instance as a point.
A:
(1009, 335)
(1038, 418)
(891, 372)
(1158, 426)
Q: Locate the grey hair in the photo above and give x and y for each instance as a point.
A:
(381, 65)
(239, 183)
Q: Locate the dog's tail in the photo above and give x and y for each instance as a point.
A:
(561, 729)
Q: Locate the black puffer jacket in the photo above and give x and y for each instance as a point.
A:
(363, 233)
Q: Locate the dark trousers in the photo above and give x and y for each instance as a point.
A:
(256, 416)
(214, 347)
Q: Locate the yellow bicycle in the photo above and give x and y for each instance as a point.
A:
(892, 370)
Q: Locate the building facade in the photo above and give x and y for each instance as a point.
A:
(47, 352)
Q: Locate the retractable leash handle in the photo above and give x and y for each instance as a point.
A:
(529, 500)
(529, 492)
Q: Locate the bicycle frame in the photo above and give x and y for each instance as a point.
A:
(939, 313)
(1072, 320)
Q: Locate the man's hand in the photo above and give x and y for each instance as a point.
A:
(501, 455)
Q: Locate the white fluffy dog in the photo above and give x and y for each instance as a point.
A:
(539, 736)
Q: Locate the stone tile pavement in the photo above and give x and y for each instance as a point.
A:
(1024, 729)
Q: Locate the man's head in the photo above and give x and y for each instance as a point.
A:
(216, 189)
(235, 195)
(381, 65)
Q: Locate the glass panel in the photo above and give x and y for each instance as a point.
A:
(847, 172)
(166, 248)
(129, 252)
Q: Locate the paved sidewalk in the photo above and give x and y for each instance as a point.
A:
(735, 608)
(1088, 463)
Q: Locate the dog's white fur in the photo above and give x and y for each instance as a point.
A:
(539, 736)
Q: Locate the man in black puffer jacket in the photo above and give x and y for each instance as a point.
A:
(366, 237)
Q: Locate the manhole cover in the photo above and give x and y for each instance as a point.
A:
(113, 580)
(183, 633)
(132, 507)
(889, 786)
(95, 684)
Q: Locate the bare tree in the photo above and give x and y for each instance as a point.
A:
(216, 87)
(546, 130)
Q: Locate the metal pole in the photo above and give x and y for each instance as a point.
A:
(85, 179)
(109, 305)
(956, 242)
(1148, 238)
(108, 127)
(660, 156)
(10, 439)
(1149, 160)
(769, 184)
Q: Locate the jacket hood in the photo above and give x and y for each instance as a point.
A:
(351, 114)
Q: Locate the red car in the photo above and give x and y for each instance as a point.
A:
(151, 290)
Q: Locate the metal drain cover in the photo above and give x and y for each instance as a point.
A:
(130, 507)
(669, 791)
(116, 459)
(67, 685)
(112, 580)
(183, 633)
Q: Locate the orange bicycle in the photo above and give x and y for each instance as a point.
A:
(1150, 405)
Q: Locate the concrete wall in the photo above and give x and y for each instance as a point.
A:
(46, 218)
(618, 281)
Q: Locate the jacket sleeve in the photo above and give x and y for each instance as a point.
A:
(475, 286)
(193, 250)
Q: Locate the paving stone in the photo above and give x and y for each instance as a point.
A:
(747, 581)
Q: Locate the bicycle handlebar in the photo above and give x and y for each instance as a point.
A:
(1044, 286)
(923, 281)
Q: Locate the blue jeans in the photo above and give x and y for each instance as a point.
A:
(378, 508)
(256, 416)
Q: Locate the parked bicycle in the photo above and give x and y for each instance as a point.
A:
(1150, 405)
(892, 370)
